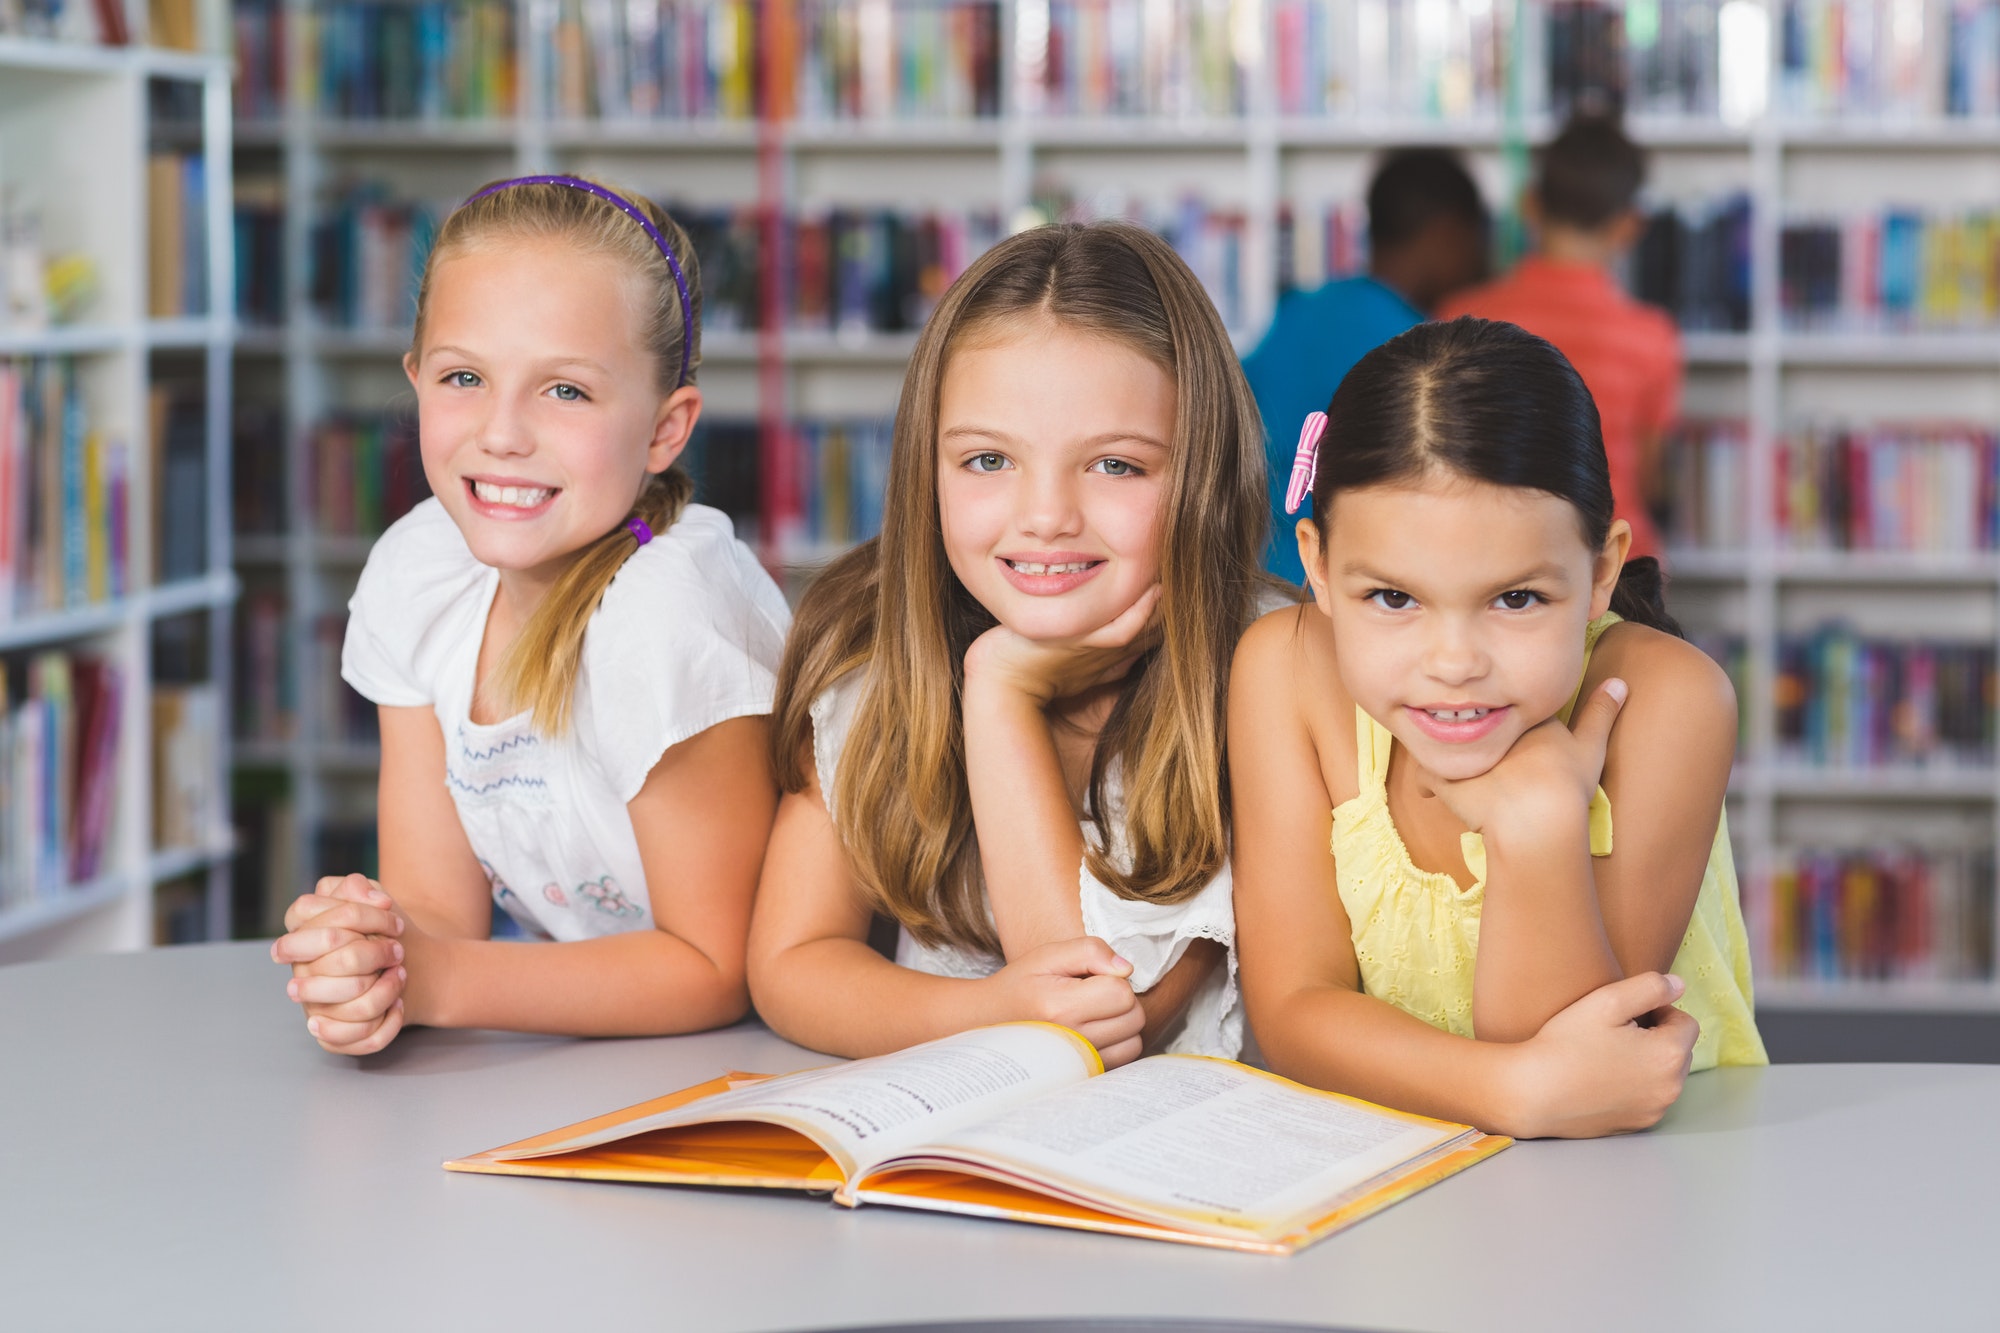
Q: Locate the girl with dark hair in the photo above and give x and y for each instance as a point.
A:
(1482, 682)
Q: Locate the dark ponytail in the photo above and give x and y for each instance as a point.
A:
(1491, 402)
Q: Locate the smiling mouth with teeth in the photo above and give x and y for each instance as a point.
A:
(1030, 567)
(1458, 714)
(514, 497)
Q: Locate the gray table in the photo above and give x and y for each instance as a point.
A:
(176, 1153)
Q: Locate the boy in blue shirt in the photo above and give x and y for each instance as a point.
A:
(1427, 238)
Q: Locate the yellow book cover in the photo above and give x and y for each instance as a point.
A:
(1021, 1122)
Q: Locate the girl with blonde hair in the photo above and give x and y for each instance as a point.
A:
(1000, 725)
(573, 664)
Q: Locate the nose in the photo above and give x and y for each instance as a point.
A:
(1049, 505)
(1453, 653)
(503, 431)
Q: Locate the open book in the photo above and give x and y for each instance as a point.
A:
(1020, 1121)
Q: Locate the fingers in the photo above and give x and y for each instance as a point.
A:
(1120, 1053)
(1085, 956)
(1631, 999)
(380, 996)
(1680, 1028)
(345, 914)
(355, 888)
(310, 989)
(1113, 1031)
(357, 1038)
(336, 953)
(1129, 624)
(1593, 721)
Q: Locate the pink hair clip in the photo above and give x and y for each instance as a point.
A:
(1305, 463)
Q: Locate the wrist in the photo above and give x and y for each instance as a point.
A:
(1536, 824)
(994, 682)
(427, 961)
(1511, 1089)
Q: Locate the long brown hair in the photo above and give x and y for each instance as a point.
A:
(539, 669)
(894, 610)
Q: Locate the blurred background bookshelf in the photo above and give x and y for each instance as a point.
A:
(115, 579)
(1822, 223)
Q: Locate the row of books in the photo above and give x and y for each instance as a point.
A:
(1707, 486)
(1694, 261)
(59, 715)
(654, 59)
(844, 270)
(368, 251)
(271, 664)
(1928, 487)
(364, 472)
(1848, 701)
(1321, 244)
(421, 60)
(64, 492)
(176, 234)
(1897, 270)
(258, 29)
(1878, 913)
(187, 726)
(1889, 58)
(260, 251)
(936, 59)
(1188, 58)
(1932, 488)
(169, 23)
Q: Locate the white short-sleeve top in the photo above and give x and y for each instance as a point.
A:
(688, 635)
(1150, 936)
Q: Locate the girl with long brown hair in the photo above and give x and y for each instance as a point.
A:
(573, 665)
(1000, 724)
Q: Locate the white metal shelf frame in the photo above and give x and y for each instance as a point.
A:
(1269, 144)
(116, 906)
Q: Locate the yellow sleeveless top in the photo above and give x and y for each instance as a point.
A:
(1416, 933)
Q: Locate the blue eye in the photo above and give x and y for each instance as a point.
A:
(462, 379)
(568, 393)
(1391, 600)
(1520, 599)
(1116, 467)
(987, 462)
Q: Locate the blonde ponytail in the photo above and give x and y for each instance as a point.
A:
(540, 669)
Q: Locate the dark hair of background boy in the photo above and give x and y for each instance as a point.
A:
(1590, 174)
(1427, 225)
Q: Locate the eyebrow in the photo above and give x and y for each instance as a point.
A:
(1535, 574)
(1094, 442)
(584, 361)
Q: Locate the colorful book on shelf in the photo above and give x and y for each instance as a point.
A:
(1020, 1122)
(1897, 912)
(1910, 487)
(1845, 701)
(1896, 270)
(59, 728)
(412, 61)
(63, 493)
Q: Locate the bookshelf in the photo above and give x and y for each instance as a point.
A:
(115, 578)
(1272, 131)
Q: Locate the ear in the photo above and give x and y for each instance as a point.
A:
(410, 364)
(1609, 563)
(1311, 555)
(673, 425)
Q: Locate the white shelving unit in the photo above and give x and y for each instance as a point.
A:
(74, 131)
(1257, 162)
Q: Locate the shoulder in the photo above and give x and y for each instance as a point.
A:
(1667, 676)
(695, 577)
(1285, 672)
(417, 573)
(418, 550)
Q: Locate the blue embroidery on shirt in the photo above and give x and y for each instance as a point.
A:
(471, 755)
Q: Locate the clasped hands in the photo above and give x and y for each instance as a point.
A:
(346, 943)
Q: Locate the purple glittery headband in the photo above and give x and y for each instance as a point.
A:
(630, 210)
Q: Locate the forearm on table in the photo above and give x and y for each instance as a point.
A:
(639, 983)
(1030, 845)
(1169, 997)
(1344, 1041)
(1542, 942)
(839, 996)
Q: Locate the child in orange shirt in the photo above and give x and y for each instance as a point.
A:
(1581, 208)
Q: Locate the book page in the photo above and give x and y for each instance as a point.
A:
(1206, 1142)
(876, 1108)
